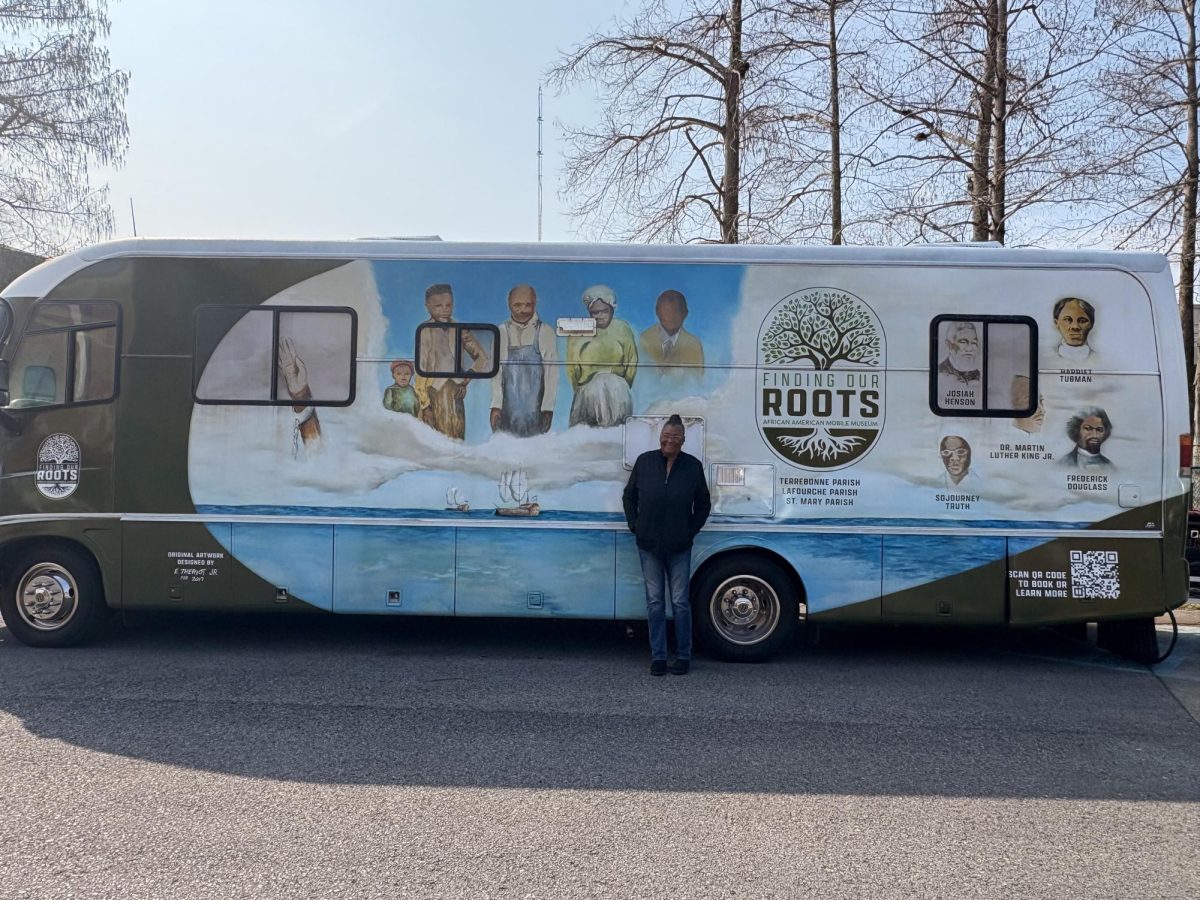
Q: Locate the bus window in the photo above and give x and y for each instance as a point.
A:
(983, 366)
(95, 363)
(324, 340)
(36, 368)
(53, 314)
(233, 354)
(39, 385)
(68, 355)
(453, 350)
(1009, 359)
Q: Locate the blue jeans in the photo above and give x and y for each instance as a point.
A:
(663, 574)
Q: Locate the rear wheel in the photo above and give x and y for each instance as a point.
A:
(1133, 639)
(52, 596)
(746, 608)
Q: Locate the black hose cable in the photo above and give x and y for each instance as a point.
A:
(1174, 638)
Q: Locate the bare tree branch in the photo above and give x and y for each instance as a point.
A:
(61, 111)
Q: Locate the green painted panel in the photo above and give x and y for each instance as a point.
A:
(1084, 579)
(176, 564)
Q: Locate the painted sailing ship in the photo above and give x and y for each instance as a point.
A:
(515, 499)
(455, 502)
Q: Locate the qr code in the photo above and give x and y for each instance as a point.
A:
(1094, 575)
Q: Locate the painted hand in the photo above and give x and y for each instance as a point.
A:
(291, 367)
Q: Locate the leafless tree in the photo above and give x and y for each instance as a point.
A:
(702, 129)
(1150, 96)
(61, 111)
(831, 43)
(992, 117)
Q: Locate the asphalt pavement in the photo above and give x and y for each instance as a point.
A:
(210, 757)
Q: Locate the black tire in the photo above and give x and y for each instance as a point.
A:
(745, 608)
(1132, 639)
(52, 596)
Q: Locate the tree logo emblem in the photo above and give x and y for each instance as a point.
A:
(58, 466)
(821, 378)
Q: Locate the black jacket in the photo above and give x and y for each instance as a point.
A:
(665, 513)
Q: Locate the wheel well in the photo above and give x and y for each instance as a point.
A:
(761, 553)
(13, 549)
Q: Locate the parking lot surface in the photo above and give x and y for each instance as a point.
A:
(193, 757)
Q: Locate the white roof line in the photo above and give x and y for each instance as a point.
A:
(39, 280)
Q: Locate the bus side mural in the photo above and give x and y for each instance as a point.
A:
(926, 441)
(378, 457)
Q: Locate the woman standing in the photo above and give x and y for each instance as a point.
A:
(666, 503)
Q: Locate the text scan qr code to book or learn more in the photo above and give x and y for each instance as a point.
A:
(1094, 575)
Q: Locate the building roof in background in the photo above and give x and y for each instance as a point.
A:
(16, 262)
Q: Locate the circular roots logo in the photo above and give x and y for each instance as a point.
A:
(820, 378)
(58, 466)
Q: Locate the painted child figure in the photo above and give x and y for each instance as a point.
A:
(400, 397)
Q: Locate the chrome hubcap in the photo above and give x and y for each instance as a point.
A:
(745, 610)
(47, 597)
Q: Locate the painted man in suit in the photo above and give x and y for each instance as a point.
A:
(676, 353)
(1089, 430)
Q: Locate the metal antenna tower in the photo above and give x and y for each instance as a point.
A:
(539, 162)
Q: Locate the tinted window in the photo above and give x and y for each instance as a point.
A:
(38, 373)
(273, 355)
(983, 366)
(95, 373)
(56, 314)
(453, 350)
(68, 354)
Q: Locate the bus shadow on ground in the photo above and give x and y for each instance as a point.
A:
(569, 705)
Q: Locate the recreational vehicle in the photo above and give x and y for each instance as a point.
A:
(946, 435)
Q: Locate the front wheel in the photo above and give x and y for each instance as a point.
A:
(746, 608)
(52, 596)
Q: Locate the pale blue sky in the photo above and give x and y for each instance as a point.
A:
(318, 119)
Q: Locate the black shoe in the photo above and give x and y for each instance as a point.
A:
(680, 667)
(658, 667)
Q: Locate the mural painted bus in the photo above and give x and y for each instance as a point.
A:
(946, 434)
